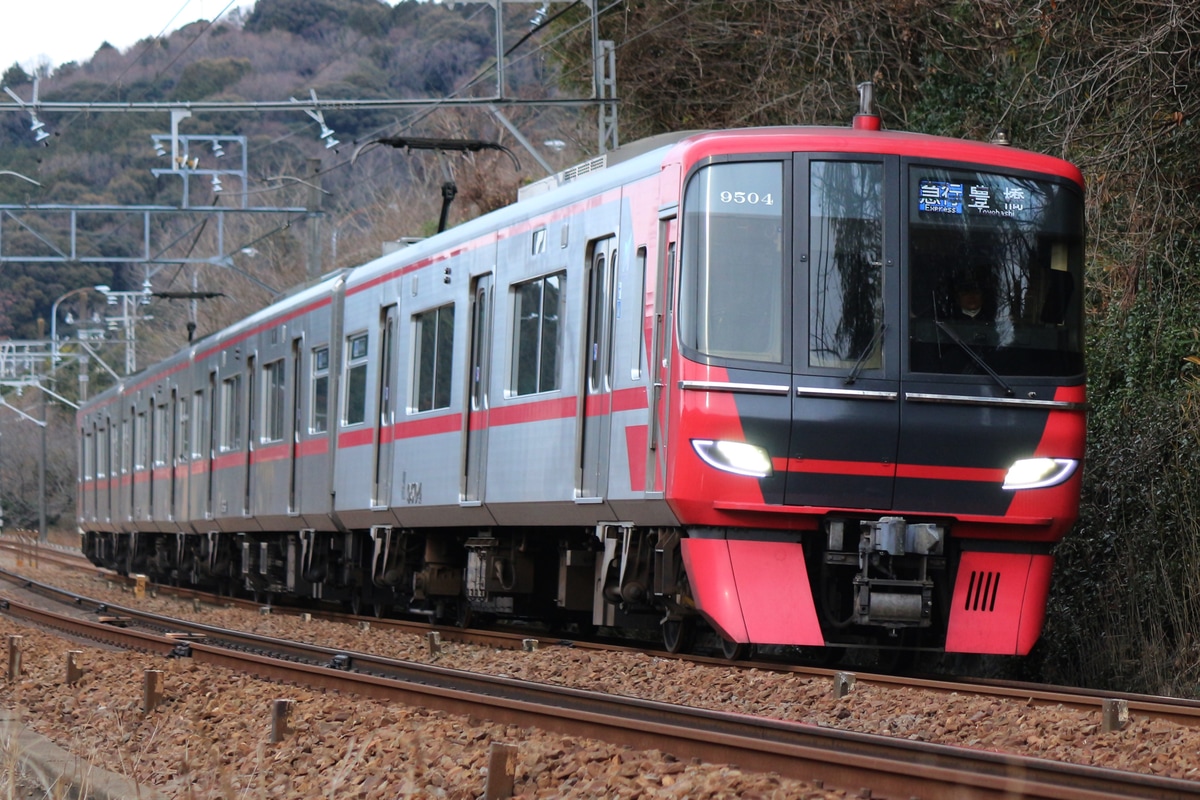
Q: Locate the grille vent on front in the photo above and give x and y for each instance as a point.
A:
(982, 591)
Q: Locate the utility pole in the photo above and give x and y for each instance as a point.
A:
(313, 178)
(42, 534)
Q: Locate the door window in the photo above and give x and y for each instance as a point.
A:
(846, 271)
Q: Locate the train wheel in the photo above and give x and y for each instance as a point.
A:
(734, 651)
(679, 634)
(380, 609)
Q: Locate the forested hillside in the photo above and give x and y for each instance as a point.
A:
(341, 49)
(1109, 85)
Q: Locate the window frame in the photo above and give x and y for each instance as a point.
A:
(274, 401)
(230, 439)
(433, 370)
(318, 409)
(355, 373)
(520, 351)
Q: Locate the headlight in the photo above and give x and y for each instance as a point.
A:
(736, 457)
(1038, 473)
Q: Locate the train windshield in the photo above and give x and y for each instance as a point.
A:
(733, 280)
(990, 280)
(995, 274)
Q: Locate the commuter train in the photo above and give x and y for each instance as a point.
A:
(808, 386)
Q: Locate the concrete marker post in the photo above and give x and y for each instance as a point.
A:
(152, 690)
(14, 656)
(502, 766)
(73, 670)
(1114, 715)
(281, 714)
(843, 682)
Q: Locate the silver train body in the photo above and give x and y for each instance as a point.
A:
(714, 380)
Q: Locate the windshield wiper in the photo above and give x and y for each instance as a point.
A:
(978, 359)
(858, 365)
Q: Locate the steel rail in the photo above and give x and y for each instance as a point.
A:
(850, 760)
(1182, 711)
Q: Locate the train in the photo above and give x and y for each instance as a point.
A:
(797, 387)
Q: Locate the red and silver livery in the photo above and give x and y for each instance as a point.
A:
(809, 386)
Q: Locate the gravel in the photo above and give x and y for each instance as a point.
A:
(210, 739)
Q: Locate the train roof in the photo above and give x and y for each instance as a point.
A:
(639, 159)
(831, 139)
(299, 297)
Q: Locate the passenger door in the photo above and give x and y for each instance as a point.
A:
(475, 428)
(385, 435)
(296, 422)
(846, 347)
(596, 409)
(660, 355)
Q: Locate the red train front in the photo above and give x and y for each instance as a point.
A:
(876, 393)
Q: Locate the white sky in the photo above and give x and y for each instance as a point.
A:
(34, 31)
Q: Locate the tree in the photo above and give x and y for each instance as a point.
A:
(16, 76)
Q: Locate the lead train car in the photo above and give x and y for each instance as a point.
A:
(725, 376)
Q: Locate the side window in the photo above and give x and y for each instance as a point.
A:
(231, 413)
(102, 453)
(274, 397)
(320, 391)
(197, 416)
(356, 379)
(140, 449)
(125, 443)
(162, 436)
(434, 358)
(88, 455)
(537, 324)
(184, 446)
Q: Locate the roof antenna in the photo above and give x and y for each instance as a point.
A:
(866, 119)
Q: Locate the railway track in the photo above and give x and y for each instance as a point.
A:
(833, 758)
(1178, 710)
(848, 760)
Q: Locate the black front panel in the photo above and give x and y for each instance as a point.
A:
(928, 304)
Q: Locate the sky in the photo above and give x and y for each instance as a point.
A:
(58, 31)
